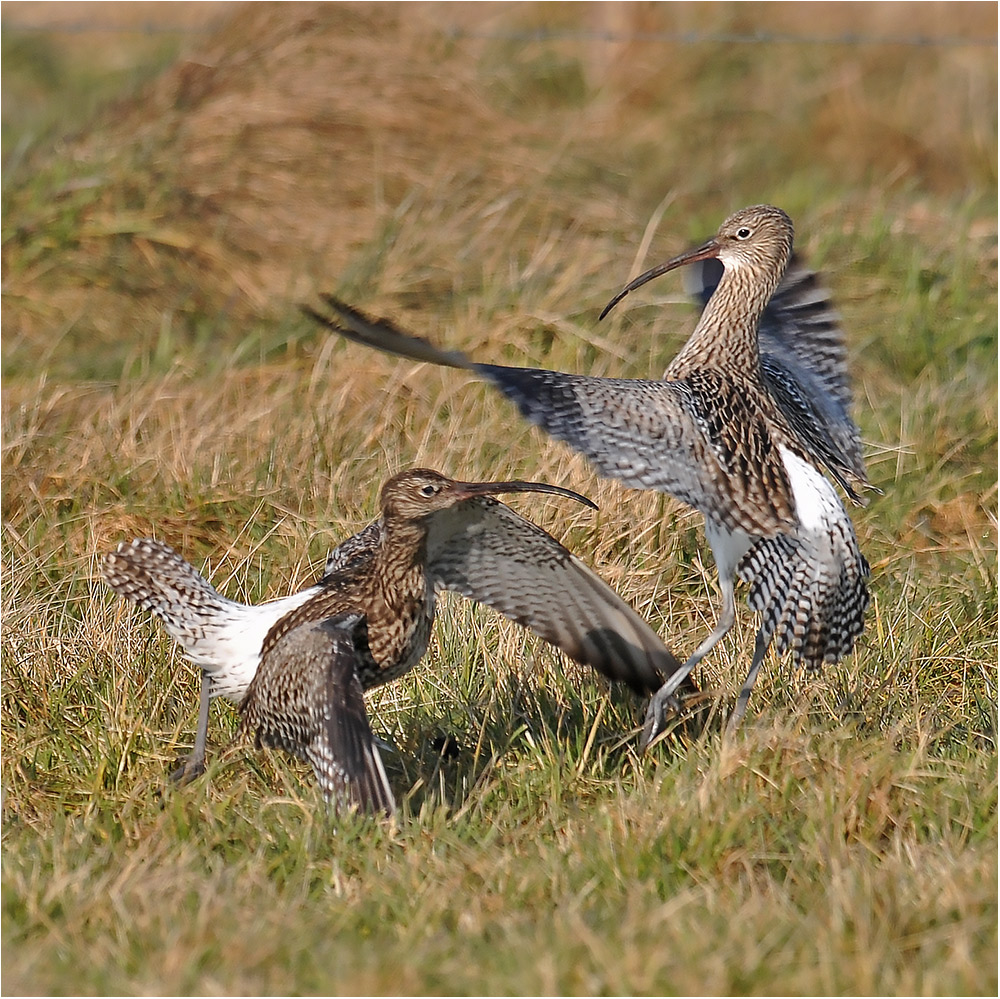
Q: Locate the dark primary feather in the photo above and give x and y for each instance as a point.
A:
(485, 551)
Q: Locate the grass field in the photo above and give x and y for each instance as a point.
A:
(168, 200)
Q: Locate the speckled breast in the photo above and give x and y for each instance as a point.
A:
(400, 644)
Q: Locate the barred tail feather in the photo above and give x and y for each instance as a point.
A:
(152, 575)
(806, 607)
(221, 636)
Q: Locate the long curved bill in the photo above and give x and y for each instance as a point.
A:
(466, 490)
(703, 252)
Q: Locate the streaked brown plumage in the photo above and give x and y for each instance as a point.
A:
(434, 533)
(738, 432)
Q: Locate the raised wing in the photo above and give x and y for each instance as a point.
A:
(487, 552)
(661, 435)
(307, 700)
(700, 439)
(804, 366)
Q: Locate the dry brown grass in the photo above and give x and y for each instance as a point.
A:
(491, 193)
(259, 165)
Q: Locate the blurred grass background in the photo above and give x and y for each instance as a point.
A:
(176, 178)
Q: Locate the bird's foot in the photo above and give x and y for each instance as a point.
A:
(189, 769)
(661, 705)
(735, 718)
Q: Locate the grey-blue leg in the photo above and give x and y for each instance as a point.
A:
(194, 765)
(663, 699)
(760, 648)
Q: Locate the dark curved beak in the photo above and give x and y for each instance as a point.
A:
(703, 252)
(466, 490)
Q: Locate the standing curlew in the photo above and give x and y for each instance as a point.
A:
(738, 428)
(434, 533)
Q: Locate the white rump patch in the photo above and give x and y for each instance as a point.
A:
(816, 502)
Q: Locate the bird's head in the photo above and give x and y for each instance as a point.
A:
(420, 492)
(758, 238)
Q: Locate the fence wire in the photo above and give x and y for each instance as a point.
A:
(455, 33)
(714, 37)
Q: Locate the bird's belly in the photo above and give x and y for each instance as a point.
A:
(727, 546)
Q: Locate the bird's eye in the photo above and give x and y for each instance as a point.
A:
(429, 490)
(744, 233)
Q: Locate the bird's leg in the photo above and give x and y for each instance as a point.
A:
(663, 699)
(194, 765)
(760, 648)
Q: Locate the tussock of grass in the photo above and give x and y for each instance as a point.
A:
(158, 379)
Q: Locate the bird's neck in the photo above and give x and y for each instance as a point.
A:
(725, 338)
(400, 563)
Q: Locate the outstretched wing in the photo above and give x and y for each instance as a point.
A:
(804, 365)
(487, 552)
(668, 436)
(676, 437)
(307, 700)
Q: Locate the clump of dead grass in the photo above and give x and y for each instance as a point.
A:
(300, 143)
(490, 196)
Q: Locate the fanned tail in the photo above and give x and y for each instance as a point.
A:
(152, 575)
(811, 587)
